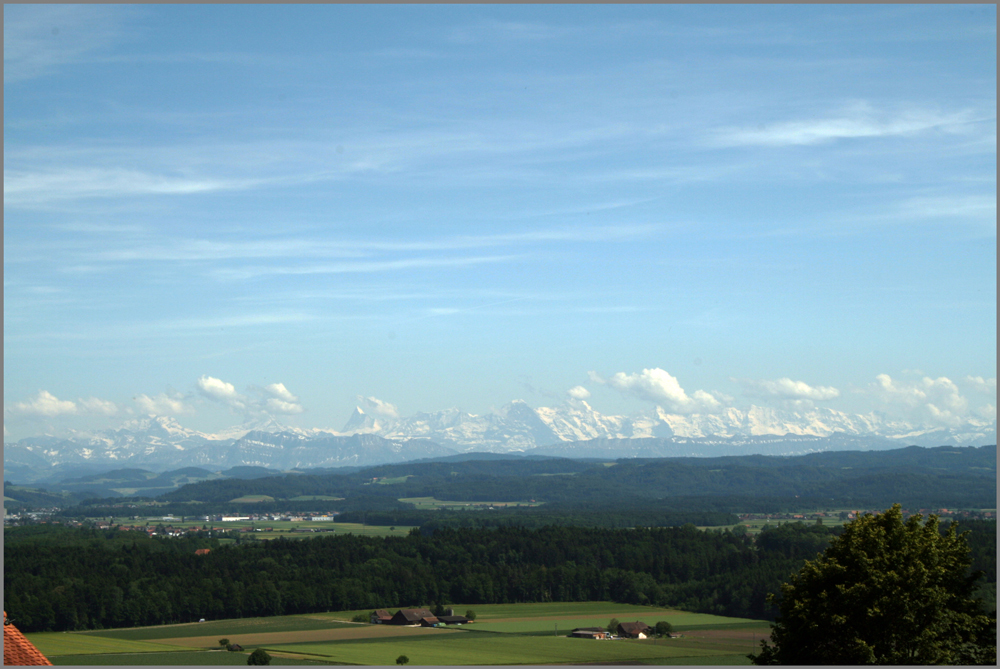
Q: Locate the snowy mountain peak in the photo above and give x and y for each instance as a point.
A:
(163, 426)
(360, 422)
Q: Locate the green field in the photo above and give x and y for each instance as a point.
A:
(502, 634)
(678, 619)
(221, 628)
(177, 658)
(332, 528)
(474, 648)
(65, 643)
(393, 481)
(283, 528)
(253, 498)
(488, 612)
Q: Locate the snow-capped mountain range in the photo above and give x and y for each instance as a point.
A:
(572, 430)
(517, 426)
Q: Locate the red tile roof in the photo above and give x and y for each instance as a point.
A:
(17, 650)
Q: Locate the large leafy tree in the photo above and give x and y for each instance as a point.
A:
(886, 591)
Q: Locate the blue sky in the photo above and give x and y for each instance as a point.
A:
(211, 211)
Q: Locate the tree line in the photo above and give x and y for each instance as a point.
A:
(86, 579)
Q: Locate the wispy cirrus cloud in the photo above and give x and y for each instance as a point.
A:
(972, 207)
(120, 244)
(859, 121)
(40, 39)
(498, 30)
(361, 267)
(32, 188)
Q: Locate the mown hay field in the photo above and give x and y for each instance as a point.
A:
(218, 629)
(66, 643)
(176, 658)
(359, 631)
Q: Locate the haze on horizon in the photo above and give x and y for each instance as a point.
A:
(217, 212)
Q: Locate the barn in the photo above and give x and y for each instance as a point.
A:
(636, 630)
(414, 617)
(380, 617)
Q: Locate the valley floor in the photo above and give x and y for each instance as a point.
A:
(502, 635)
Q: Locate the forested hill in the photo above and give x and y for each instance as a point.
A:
(915, 477)
(927, 475)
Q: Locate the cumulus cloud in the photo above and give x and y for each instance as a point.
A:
(656, 385)
(273, 398)
(281, 400)
(578, 393)
(162, 404)
(222, 392)
(786, 389)
(377, 407)
(979, 384)
(989, 412)
(274, 405)
(46, 404)
(281, 392)
(935, 401)
(95, 405)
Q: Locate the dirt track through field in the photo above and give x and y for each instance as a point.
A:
(306, 636)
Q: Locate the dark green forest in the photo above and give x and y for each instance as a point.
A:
(59, 578)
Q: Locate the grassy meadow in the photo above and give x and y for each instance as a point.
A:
(502, 634)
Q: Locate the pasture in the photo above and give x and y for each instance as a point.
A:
(483, 648)
(175, 658)
(67, 643)
(502, 634)
(217, 629)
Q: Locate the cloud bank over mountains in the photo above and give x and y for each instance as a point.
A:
(898, 407)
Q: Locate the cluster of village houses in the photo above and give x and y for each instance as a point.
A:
(414, 617)
(424, 618)
(636, 630)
